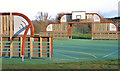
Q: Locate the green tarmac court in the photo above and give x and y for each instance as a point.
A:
(75, 50)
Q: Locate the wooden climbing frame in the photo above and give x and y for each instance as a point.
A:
(15, 44)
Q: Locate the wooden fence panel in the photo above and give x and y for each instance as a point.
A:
(102, 31)
(55, 34)
(34, 47)
(106, 35)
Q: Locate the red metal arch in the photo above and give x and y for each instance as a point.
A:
(24, 38)
(26, 31)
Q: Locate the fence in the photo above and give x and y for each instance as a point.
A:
(104, 31)
(106, 35)
(55, 34)
(34, 47)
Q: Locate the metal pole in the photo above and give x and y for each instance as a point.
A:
(22, 57)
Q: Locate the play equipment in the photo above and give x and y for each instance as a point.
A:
(99, 29)
(18, 40)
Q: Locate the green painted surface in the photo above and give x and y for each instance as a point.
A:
(75, 50)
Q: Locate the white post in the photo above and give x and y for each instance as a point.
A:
(22, 57)
(30, 56)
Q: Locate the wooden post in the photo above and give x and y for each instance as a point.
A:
(31, 48)
(71, 31)
(108, 35)
(1, 47)
(92, 31)
(1, 25)
(21, 46)
(100, 35)
(40, 46)
(11, 34)
(1, 32)
(11, 48)
(106, 27)
(11, 25)
(94, 34)
(7, 24)
(68, 30)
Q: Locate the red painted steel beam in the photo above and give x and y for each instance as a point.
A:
(51, 46)
(24, 38)
(26, 31)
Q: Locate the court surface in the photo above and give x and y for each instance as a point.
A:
(75, 50)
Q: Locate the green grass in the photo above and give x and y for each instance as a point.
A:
(102, 64)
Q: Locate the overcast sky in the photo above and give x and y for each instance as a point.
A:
(106, 8)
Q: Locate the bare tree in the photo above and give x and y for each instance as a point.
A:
(43, 18)
(41, 21)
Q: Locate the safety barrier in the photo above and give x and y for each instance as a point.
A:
(106, 35)
(55, 34)
(105, 30)
(34, 47)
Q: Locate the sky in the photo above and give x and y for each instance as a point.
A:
(106, 8)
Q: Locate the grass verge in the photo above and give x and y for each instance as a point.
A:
(81, 36)
(102, 64)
